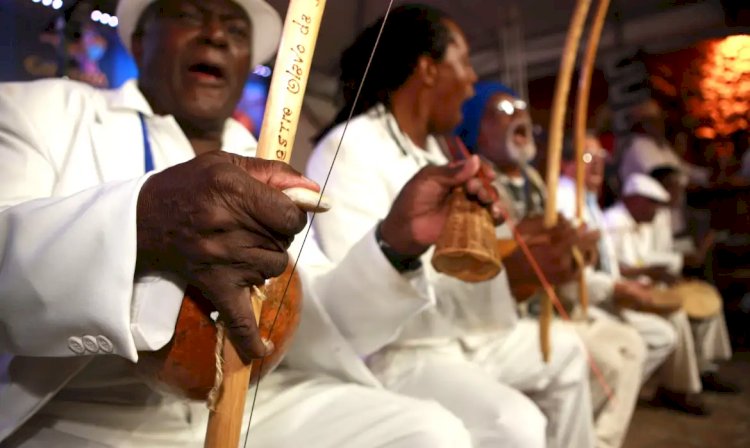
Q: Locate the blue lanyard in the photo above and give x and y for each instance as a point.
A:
(148, 158)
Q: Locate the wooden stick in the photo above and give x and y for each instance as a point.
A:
(287, 90)
(562, 89)
(554, 148)
(280, 120)
(579, 129)
(225, 422)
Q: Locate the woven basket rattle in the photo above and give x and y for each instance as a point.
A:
(467, 248)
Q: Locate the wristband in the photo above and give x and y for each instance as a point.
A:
(402, 263)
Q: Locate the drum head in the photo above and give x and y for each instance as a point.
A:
(665, 301)
(700, 299)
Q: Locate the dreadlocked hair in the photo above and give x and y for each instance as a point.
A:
(411, 31)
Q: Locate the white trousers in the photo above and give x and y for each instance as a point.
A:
(293, 410)
(495, 414)
(618, 353)
(659, 335)
(679, 372)
(477, 384)
(697, 345)
(711, 342)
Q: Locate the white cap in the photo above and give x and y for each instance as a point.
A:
(642, 185)
(266, 25)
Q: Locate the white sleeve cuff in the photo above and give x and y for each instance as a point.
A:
(67, 273)
(155, 307)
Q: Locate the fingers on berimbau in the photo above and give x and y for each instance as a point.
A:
(269, 207)
(245, 335)
(284, 176)
(226, 289)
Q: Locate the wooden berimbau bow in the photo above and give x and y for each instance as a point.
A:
(280, 120)
(200, 359)
(579, 129)
(465, 249)
(554, 146)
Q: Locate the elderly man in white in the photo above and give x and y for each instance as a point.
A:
(87, 282)
(608, 289)
(606, 286)
(630, 223)
(497, 127)
(711, 334)
(471, 351)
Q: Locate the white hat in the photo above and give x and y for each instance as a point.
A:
(266, 25)
(642, 185)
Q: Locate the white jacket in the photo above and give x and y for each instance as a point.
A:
(71, 168)
(600, 284)
(373, 164)
(637, 244)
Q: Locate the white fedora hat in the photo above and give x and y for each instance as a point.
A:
(266, 25)
(643, 185)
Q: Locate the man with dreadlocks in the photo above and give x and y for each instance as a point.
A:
(414, 93)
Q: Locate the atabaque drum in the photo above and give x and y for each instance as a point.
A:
(700, 300)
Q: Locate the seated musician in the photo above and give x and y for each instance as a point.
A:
(672, 233)
(634, 232)
(682, 235)
(96, 251)
(412, 95)
(667, 334)
(497, 126)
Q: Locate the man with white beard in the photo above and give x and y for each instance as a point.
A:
(497, 126)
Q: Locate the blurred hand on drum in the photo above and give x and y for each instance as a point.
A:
(639, 297)
(221, 222)
(661, 274)
(419, 213)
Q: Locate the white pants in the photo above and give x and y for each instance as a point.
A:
(711, 342)
(494, 413)
(293, 410)
(618, 353)
(698, 344)
(659, 335)
(473, 383)
(679, 373)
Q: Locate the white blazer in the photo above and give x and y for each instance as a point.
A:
(636, 244)
(600, 284)
(374, 162)
(71, 168)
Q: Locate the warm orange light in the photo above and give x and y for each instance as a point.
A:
(705, 132)
(722, 78)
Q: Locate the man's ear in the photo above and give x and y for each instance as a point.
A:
(427, 70)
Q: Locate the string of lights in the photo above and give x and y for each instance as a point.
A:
(104, 18)
(54, 4)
